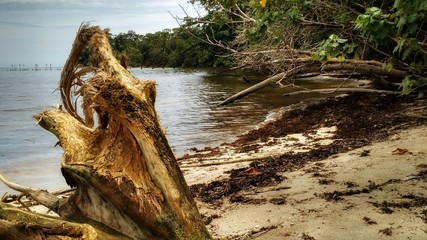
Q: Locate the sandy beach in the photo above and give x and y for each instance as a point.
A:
(332, 183)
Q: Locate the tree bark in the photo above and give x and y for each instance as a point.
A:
(124, 171)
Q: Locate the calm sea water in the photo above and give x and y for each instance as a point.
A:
(186, 103)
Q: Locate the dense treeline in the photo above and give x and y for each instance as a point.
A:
(168, 48)
(179, 47)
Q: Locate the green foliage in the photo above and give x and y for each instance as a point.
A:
(297, 10)
(257, 32)
(405, 46)
(84, 58)
(409, 84)
(409, 16)
(276, 14)
(375, 25)
(405, 20)
(334, 47)
(402, 27)
(167, 48)
(388, 65)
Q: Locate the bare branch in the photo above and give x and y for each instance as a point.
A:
(244, 15)
(274, 79)
(41, 196)
(331, 25)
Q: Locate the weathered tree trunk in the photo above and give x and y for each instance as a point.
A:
(124, 171)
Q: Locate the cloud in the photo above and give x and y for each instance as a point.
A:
(32, 28)
(129, 5)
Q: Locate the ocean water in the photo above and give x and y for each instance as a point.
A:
(27, 152)
(186, 103)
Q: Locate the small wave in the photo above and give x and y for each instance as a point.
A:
(272, 116)
(275, 114)
(18, 110)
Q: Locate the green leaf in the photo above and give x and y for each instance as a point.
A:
(334, 53)
(388, 65)
(399, 45)
(315, 56)
(406, 53)
(408, 84)
(342, 40)
(349, 48)
(400, 24)
(413, 17)
(396, 3)
(413, 28)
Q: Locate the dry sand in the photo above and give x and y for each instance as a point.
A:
(374, 192)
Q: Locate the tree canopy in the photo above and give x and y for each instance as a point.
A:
(274, 36)
(179, 47)
(278, 35)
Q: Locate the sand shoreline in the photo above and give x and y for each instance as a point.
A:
(343, 174)
(363, 181)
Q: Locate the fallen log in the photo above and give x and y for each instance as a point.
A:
(253, 88)
(125, 174)
(334, 90)
(311, 66)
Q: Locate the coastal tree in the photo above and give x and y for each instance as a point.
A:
(126, 180)
(287, 39)
(177, 47)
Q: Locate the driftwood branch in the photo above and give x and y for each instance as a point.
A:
(41, 196)
(19, 224)
(271, 80)
(310, 66)
(334, 90)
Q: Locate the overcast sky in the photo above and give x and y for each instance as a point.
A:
(42, 31)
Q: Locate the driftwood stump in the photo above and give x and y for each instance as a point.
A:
(116, 156)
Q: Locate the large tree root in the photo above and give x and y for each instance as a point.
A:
(125, 174)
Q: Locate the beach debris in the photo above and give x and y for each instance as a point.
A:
(253, 172)
(386, 231)
(399, 151)
(369, 221)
